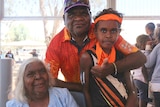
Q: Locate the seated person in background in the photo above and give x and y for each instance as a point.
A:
(140, 75)
(116, 89)
(33, 88)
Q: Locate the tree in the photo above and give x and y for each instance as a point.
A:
(55, 10)
(17, 33)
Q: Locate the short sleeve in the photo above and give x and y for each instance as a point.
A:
(125, 47)
(14, 103)
(61, 97)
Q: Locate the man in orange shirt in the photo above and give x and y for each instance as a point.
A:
(66, 48)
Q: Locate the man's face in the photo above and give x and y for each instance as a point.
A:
(77, 20)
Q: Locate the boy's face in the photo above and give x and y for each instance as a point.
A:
(106, 33)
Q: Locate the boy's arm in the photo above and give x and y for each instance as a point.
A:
(85, 66)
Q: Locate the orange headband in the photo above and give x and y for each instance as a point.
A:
(109, 17)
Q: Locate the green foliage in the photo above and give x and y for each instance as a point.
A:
(18, 32)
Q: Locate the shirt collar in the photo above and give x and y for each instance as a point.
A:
(91, 35)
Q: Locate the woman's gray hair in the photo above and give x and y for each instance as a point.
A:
(19, 91)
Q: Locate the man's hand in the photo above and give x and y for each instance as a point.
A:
(69, 85)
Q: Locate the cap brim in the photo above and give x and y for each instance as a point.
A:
(76, 5)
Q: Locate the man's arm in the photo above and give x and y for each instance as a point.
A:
(53, 62)
(131, 61)
(69, 85)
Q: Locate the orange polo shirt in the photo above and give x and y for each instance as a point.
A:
(64, 55)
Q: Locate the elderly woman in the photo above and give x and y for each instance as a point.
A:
(33, 88)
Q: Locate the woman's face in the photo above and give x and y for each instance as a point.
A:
(106, 33)
(36, 80)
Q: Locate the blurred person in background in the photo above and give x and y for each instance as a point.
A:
(158, 25)
(140, 75)
(150, 27)
(34, 53)
(1, 55)
(9, 54)
(153, 61)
